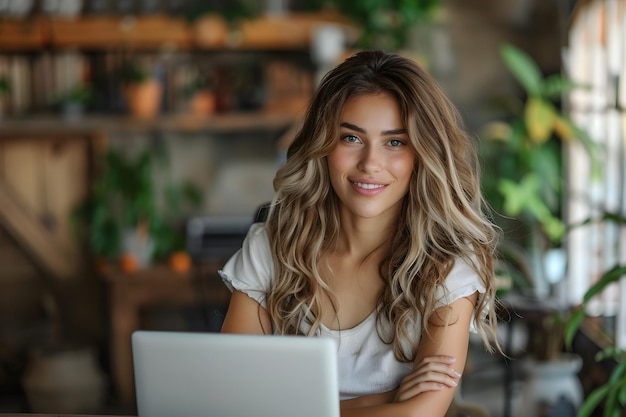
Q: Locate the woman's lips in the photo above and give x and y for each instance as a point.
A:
(367, 188)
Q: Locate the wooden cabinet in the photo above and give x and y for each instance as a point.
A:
(41, 181)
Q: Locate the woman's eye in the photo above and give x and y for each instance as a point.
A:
(396, 143)
(351, 139)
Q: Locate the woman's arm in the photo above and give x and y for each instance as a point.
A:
(451, 340)
(432, 374)
(245, 315)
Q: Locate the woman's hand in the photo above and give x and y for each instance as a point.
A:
(433, 373)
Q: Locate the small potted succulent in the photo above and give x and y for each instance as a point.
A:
(200, 95)
(73, 102)
(141, 89)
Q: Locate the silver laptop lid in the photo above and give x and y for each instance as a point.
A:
(227, 375)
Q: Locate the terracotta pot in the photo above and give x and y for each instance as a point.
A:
(203, 103)
(210, 31)
(144, 99)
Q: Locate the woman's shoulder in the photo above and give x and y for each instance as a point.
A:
(462, 281)
(258, 233)
(256, 244)
(252, 266)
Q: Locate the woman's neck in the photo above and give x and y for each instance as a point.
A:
(360, 237)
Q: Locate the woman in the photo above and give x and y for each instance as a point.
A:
(375, 238)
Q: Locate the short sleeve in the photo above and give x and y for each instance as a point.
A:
(460, 282)
(250, 270)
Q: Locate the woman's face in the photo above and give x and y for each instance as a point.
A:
(372, 163)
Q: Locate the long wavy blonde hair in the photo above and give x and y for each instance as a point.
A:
(441, 219)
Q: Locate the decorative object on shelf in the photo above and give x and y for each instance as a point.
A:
(210, 31)
(123, 218)
(200, 95)
(327, 47)
(73, 102)
(142, 90)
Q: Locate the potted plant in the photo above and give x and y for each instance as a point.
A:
(522, 169)
(523, 179)
(200, 95)
(123, 219)
(141, 90)
(385, 24)
(73, 102)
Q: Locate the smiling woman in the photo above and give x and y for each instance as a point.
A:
(371, 158)
(375, 239)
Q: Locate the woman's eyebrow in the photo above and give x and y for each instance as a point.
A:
(353, 127)
(356, 128)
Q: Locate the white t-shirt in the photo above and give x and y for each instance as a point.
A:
(367, 365)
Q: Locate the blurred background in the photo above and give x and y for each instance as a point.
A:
(138, 139)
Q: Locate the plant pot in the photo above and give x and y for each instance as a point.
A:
(65, 381)
(552, 387)
(203, 103)
(73, 111)
(138, 243)
(144, 99)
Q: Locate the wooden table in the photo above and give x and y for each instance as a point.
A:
(160, 285)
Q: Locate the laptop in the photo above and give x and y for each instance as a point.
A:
(232, 375)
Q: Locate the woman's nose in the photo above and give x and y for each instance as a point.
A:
(370, 160)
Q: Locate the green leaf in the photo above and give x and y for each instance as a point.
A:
(622, 396)
(572, 325)
(611, 405)
(618, 373)
(523, 68)
(554, 86)
(592, 401)
(612, 275)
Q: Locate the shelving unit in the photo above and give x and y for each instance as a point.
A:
(44, 57)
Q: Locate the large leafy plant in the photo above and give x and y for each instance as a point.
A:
(523, 159)
(523, 181)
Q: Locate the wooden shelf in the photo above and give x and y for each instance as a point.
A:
(120, 32)
(51, 126)
(23, 35)
(158, 31)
